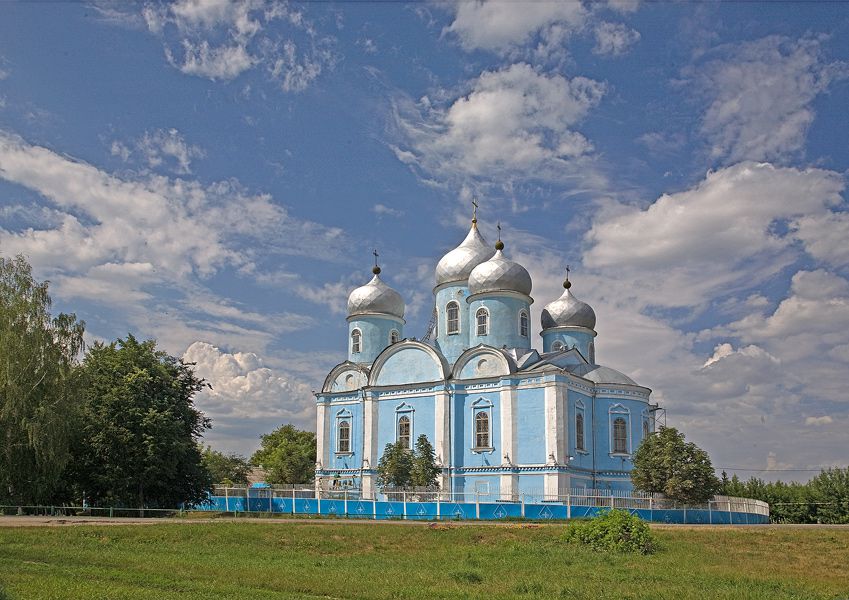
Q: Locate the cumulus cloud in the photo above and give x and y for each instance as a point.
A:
(758, 95)
(735, 228)
(247, 398)
(498, 26)
(383, 210)
(220, 40)
(513, 122)
(824, 420)
(614, 39)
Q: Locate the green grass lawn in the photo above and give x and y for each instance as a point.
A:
(329, 560)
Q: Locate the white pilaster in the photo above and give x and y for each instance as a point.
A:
(441, 434)
(321, 453)
(508, 425)
(370, 458)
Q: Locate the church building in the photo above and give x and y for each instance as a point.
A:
(504, 418)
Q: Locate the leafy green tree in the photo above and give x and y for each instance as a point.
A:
(830, 489)
(395, 466)
(226, 468)
(287, 454)
(424, 471)
(682, 471)
(38, 355)
(138, 443)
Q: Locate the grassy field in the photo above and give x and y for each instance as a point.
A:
(330, 560)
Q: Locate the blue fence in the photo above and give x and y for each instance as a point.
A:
(356, 508)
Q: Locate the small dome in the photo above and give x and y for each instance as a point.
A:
(500, 274)
(458, 264)
(568, 311)
(375, 297)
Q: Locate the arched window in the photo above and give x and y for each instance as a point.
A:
(645, 428)
(482, 429)
(452, 317)
(557, 346)
(523, 324)
(404, 431)
(620, 436)
(356, 341)
(393, 336)
(579, 431)
(344, 437)
(482, 318)
(591, 356)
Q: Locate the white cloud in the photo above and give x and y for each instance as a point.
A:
(723, 235)
(824, 420)
(614, 39)
(759, 95)
(115, 241)
(498, 26)
(383, 210)
(161, 146)
(514, 122)
(247, 397)
(221, 39)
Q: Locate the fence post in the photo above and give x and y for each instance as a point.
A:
(293, 500)
(438, 496)
(523, 505)
(651, 506)
(345, 503)
(477, 505)
(374, 506)
(611, 499)
(569, 504)
(226, 499)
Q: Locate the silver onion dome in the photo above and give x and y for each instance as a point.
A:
(500, 274)
(568, 311)
(375, 297)
(457, 265)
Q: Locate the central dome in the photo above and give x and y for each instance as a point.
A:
(500, 274)
(457, 265)
(375, 297)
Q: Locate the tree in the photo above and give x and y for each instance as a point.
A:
(287, 454)
(682, 471)
(226, 468)
(138, 443)
(424, 470)
(38, 356)
(395, 466)
(831, 490)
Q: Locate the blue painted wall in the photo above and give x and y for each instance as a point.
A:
(409, 364)
(375, 336)
(571, 338)
(420, 409)
(353, 413)
(452, 346)
(530, 426)
(503, 321)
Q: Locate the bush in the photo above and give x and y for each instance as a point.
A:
(613, 531)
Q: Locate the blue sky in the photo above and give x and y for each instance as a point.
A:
(216, 175)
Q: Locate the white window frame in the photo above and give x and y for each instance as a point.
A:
(345, 416)
(617, 411)
(485, 312)
(448, 329)
(404, 410)
(482, 405)
(524, 324)
(356, 341)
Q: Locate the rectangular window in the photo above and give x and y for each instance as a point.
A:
(620, 436)
(453, 318)
(579, 431)
(344, 438)
(482, 429)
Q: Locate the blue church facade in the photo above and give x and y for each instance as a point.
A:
(505, 420)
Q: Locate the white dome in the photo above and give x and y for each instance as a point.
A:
(568, 311)
(375, 297)
(500, 274)
(458, 264)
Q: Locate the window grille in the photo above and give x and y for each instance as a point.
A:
(579, 431)
(344, 437)
(523, 324)
(482, 430)
(356, 341)
(452, 312)
(482, 317)
(404, 431)
(620, 436)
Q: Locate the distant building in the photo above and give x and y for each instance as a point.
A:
(504, 419)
